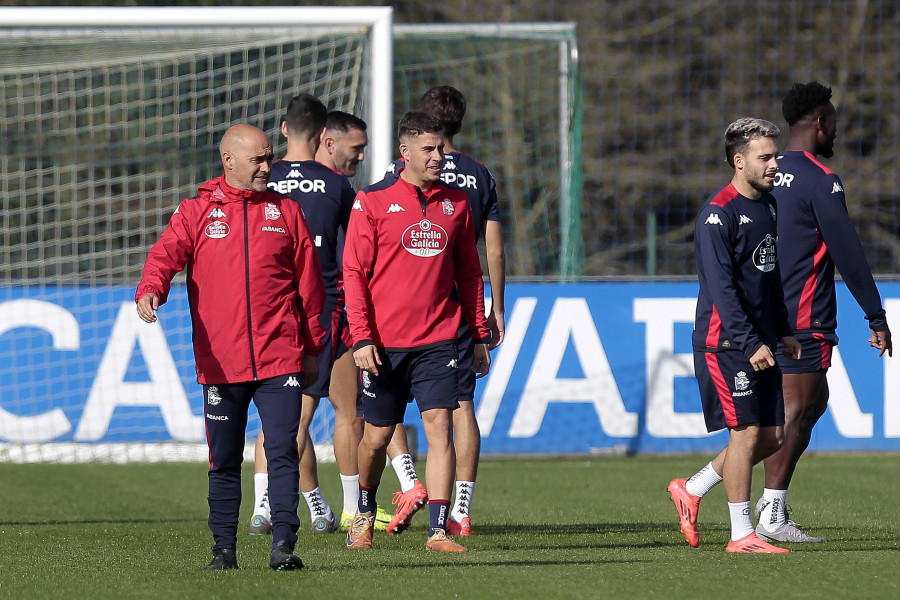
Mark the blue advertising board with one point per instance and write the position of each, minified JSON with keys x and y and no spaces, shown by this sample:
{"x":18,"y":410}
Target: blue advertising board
{"x":584,"y":368}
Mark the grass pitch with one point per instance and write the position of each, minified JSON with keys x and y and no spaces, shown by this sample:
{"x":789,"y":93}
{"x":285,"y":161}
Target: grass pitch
{"x":578,"y":528}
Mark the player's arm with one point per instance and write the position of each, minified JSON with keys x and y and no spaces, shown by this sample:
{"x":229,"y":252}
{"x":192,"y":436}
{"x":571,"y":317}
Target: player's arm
{"x":830,"y":210}
{"x":358,"y":261}
{"x":496,"y":264}
{"x":468,"y":276}
{"x":715,"y":259}
{"x":168,"y":256}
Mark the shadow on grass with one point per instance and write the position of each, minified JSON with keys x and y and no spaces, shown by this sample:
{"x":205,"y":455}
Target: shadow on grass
{"x":54,"y":522}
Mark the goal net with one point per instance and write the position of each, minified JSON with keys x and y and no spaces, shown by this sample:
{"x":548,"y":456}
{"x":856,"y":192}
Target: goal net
{"x":108,"y":119}
{"x":107,"y":125}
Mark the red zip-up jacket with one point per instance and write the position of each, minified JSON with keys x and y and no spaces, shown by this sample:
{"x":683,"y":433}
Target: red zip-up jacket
{"x":404,"y":250}
{"x":253,"y":281}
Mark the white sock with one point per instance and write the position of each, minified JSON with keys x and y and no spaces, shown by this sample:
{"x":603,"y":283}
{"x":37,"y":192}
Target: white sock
{"x":703,"y":480}
{"x":773,"y":514}
{"x":463,"y":500}
{"x":350,"y":484}
{"x":261,"y":495}
{"x":406,"y":471}
{"x":317,"y":505}
{"x":741,"y":525}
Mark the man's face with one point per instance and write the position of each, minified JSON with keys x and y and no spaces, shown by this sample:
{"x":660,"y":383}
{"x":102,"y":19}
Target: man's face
{"x":424,"y":158}
{"x":758,"y":165}
{"x":348,"y":149}
{"x":250,"y":162}
{"x":827,"y":131}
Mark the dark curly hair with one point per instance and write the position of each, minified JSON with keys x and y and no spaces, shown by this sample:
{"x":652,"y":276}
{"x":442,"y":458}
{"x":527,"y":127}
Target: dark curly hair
{"x":802,"y":99}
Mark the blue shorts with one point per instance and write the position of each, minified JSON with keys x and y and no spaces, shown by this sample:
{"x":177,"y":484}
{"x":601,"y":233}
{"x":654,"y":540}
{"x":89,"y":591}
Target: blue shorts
{"x":466,"y":347}
{"x":816,"y":350}
{"x":734,"y":394}
{"x":430,"y":374}
{"x":336,"y":344}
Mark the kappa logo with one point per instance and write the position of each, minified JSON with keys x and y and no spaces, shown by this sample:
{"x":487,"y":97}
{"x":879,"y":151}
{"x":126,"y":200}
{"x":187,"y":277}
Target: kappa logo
{"x":395,"y":208}
{"x":294,"y":174}
{"x":452,"y":364}
{"x":744,"y":220}
{"x":392,"y":169}
{"x":272,"y":212}
{"x":447,"y":206}
{"x":357,"y":205}
{"x":741,"y":381}
{"x":836,"y":188}
{"x":449,"y":164}
{"x":217,"y":230}
{"x":425,"y":239}
{"x":217,"y":213}
{"x":212,"y":396}
{"x":292,"y":382}
{"x":713,"y":219}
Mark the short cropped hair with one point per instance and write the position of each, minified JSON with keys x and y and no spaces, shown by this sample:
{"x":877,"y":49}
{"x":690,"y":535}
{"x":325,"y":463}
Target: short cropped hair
{"x":743,"y":131}
{"x":339,"y":120}
{"x":802,"y":99}
{"x":305,"y":114}
{"x":447,"y":104}
{"x":415,"y":123}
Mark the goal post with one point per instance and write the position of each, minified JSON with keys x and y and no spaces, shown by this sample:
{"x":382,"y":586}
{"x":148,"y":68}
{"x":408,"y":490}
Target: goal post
{"x":108,"y":118}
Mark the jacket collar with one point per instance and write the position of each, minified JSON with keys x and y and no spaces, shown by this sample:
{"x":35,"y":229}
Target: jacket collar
{"x":216,"y":190}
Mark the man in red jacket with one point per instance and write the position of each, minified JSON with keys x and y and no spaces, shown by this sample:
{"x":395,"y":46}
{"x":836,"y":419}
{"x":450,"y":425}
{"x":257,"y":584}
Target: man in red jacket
{"x":409,"y":240}
{"x":255,"y":291}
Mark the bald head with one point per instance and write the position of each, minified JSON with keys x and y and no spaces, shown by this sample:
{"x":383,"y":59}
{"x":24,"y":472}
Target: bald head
{"x":246,"y":157}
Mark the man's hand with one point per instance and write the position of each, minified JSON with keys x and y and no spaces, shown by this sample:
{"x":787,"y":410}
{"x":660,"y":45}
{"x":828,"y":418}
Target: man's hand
{"x":791,"y":347}
{"x":147,"y":307}
{"x":482,"y":363}
{"x":498,"y":328}
{"x":367,"y":359}
{"x":882,"y":341}
{"x":310,"y":370}
{"x":762,"y":359}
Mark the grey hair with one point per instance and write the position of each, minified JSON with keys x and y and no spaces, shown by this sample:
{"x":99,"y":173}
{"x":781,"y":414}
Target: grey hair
{"x":743,"y":131}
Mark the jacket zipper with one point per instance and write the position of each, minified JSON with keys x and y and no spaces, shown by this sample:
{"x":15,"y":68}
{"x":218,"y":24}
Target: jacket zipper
{"x":247,"y":275}
{"x":422,"y":199}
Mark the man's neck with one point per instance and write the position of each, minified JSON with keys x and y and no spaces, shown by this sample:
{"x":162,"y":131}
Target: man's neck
{"x":298,"y":153}
{"x":425,"y":186}
{"x":745,"y":189}
{"x":802,"y":141}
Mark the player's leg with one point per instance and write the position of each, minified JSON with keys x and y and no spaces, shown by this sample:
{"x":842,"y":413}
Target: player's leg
{"x":321,"y":518}
{"x":466,"y":440}
{"x":225,"y":411}
{"x":435,"y":385}
{"x":279,"y":405}
{"x":687,"y":492}
{"x":805,"y":401}
{"x":412,"y":495}
{"x":385,"y":405}
{"x":260,"y":523}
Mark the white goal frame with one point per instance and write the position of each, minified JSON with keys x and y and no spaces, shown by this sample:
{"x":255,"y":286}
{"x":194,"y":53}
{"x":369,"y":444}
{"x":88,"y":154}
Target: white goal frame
{"x":379,"y":70}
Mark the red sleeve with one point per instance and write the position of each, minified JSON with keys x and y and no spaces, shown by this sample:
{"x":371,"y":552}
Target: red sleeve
{"x":359,"y":256}
{"x":168,"y":256}
{"x":468,"y":276}
{"x":310,"y":286}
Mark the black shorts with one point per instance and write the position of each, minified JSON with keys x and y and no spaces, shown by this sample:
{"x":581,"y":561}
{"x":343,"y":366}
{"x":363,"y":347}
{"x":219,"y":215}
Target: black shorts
{"x":734,"y":394}
{"x":336,"y":344}
{"x":816,"y":350}
{"x":431,"y":375}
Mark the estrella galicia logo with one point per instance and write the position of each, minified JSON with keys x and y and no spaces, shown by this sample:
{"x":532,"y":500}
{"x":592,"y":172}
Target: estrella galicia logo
{"x":217,"y":230}
{"x":212,"y":396}
{"x":425,"y":239}
{"x":765,"y":256}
